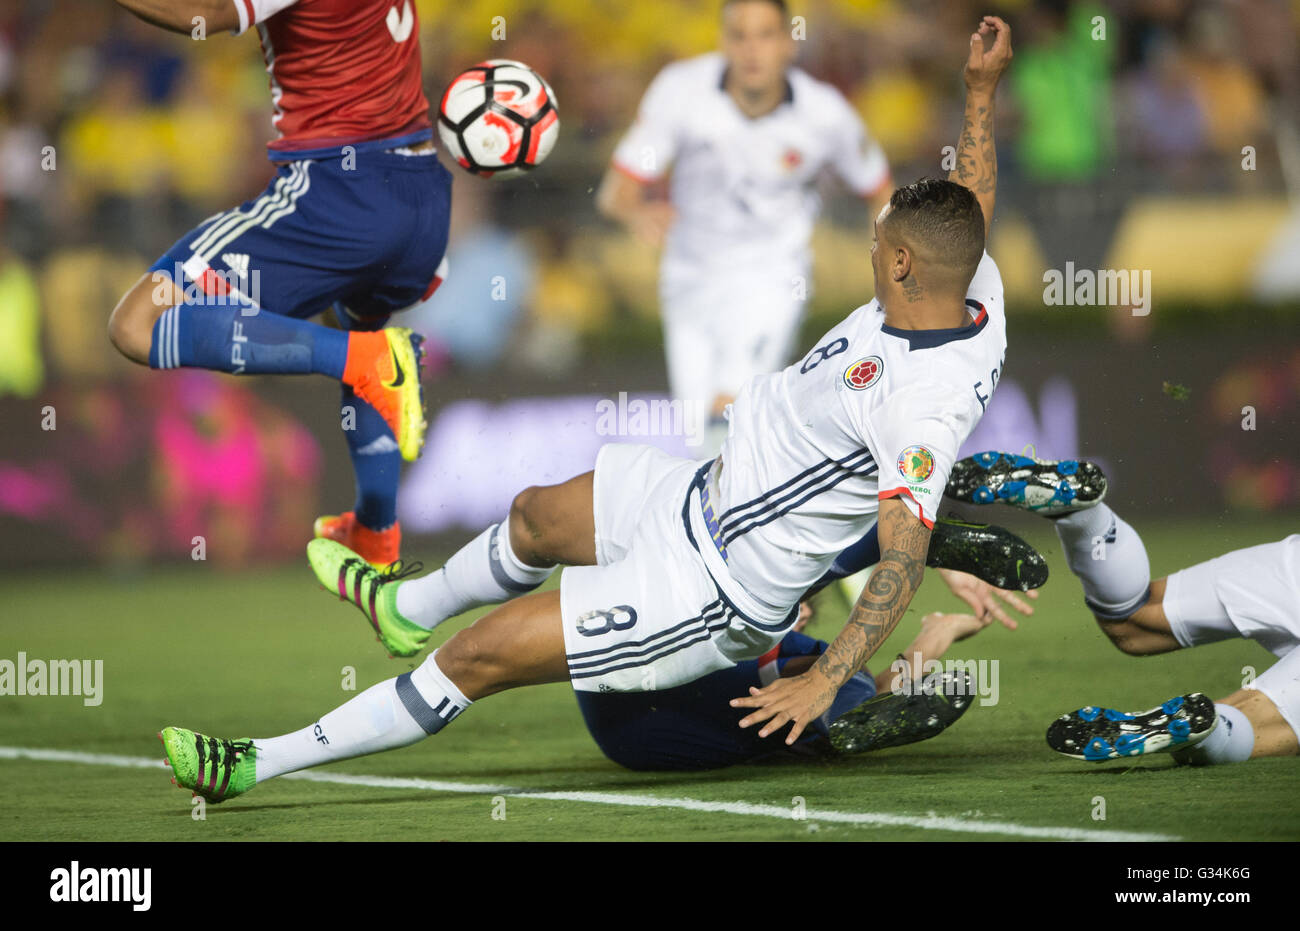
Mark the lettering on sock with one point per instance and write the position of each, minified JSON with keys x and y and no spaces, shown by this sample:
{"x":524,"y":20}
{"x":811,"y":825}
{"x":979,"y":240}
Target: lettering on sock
{"x":237,"y":360}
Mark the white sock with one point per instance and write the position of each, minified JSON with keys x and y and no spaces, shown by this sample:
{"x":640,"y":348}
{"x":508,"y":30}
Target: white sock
{"x":392,"y":714}
{"x":1108,"y":557}
{"x":484,"y":571}
{"x":1231,"y":741}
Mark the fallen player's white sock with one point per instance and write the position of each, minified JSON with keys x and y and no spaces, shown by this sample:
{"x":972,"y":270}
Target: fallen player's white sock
{"x":482,"y":572}
{"x":1108,"y":557}
{"x":392,"y":714}
{"x":1231,"y":741}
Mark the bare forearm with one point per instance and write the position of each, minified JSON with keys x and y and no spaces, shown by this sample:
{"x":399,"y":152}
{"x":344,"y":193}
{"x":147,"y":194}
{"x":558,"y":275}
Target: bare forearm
{"x":977,"y":156}
{"x":181,"y":15}
{"x":929,"y":644}
{"x":904,"y":541}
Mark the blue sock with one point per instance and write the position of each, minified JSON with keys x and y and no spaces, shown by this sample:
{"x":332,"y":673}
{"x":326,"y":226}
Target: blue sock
{"x":376,"y":460}
{"x":219,"y":335}
{"x":858,"y":689}
{"x":854,"y":558}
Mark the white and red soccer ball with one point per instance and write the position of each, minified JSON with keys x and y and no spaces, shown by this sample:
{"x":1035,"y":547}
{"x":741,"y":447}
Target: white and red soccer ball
{"x":498,"y":118}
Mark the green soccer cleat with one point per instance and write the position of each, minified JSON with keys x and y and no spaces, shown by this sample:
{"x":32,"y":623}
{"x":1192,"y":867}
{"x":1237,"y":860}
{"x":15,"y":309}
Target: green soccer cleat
{"x":923,"y":710}
{"x":993,"y":554}
{"x":343,"y":572}
{"x":214,"y":768}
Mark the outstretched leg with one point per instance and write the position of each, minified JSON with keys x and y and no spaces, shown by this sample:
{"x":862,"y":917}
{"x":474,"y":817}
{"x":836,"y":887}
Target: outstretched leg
{"x":1249,"y":592}
{"x":1245,"y":593}
{"x":520,"y":643}
{"x":1249,"y":723}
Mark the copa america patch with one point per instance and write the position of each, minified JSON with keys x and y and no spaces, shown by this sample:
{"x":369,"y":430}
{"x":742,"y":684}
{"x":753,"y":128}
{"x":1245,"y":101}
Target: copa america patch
{"x":864,"y":373}
{"x":916,"y":463}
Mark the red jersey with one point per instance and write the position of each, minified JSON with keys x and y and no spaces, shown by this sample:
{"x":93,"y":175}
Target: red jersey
{"x":342,"y":72}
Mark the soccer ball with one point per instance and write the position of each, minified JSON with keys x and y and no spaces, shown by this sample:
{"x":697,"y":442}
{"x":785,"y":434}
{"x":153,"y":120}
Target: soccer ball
{"x":499,"y":118}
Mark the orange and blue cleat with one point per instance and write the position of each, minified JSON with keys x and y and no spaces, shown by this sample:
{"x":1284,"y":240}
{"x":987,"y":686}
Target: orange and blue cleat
{"x":380,"y":548}
{"x":383,"y":368}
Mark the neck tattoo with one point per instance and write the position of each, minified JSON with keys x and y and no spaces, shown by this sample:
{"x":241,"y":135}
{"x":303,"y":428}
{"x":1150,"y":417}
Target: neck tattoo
{"x":912,"y":289}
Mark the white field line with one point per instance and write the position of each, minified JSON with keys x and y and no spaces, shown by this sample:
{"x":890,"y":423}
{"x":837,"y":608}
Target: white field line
{"x":930,"y":822}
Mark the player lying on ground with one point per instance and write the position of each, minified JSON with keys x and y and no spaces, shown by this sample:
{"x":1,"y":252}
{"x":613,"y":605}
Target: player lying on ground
{"x":692,"y":727}
{"x":744,"y":156}
{"x":1252,"y":593}
{"x":680,"y":569}
{"x":355,"y":219}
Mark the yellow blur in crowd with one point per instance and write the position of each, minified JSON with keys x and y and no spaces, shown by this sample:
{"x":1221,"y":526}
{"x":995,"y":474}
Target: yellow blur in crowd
{"x":193,"y":145}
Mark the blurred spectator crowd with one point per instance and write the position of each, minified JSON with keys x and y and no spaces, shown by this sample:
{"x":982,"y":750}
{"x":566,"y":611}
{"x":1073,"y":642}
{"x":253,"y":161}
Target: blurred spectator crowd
{"x":116,"y":137}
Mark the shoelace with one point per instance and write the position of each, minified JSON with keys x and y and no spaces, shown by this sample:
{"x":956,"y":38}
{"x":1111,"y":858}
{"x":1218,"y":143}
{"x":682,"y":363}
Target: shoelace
{"x":396,"y":571}
{"x":225,"y":755}
{"x":399,"y":569}
{"x":365,"y":572}
{"x":233,"y":750}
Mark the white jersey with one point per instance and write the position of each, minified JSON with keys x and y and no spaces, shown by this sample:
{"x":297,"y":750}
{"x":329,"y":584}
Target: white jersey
{"x":872,"y":412}
{"x":743,"y":188}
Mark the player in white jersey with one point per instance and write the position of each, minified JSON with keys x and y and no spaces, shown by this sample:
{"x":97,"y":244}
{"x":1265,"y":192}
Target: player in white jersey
{"x":681,"y":568}
{"x":745,"y":135}
{"x":1252,"y":593}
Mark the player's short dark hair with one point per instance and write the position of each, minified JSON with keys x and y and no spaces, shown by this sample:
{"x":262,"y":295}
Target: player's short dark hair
{"x":942,"y":218}
{"x":779,"y":4}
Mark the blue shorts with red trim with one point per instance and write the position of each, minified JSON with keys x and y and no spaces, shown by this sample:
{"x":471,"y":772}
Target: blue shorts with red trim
{"x":692,"y":726}
{"x":367,"y":232}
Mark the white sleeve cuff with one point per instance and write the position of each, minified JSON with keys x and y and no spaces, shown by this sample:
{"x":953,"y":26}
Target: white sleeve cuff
{"x":252,"y":12}
{"x":245,"y":16}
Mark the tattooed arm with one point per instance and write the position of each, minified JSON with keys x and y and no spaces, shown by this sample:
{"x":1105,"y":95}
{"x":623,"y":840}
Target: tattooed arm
{"x":977,"y":157}
{"x":904,"y":542}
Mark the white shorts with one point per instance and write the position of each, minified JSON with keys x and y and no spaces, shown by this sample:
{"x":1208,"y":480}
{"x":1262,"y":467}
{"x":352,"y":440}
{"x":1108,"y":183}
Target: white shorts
{"x":658,"y":609}
{"x":1252,"y":593}
{"x":719,"y":335}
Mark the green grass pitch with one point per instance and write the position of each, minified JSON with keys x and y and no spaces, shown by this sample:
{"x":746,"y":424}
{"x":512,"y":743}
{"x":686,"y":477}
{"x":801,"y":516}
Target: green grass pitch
{"x":261,"y":653}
